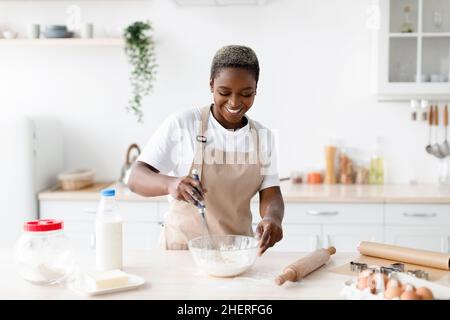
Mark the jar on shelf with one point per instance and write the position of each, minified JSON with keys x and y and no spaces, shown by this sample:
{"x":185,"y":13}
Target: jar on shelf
{"x":42,"y":254}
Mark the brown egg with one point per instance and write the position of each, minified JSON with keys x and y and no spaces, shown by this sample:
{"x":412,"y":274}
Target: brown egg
{"x":424,"y":293}
{"x":408,"y":286}
{"x":365,"y":273}
{"x":362,"y":283}
{"x":409,"y":293}
{"x":386,"y":279}
{"x":393,"y":292}
{"x":363,"y":278}
{"x":393,"y":283}
{"x":372,"y":283}
{"x":377,"y":282}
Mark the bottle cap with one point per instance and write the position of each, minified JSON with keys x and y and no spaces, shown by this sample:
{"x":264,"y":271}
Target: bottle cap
{"x":43,"y":225}
{"x":108,"y":192}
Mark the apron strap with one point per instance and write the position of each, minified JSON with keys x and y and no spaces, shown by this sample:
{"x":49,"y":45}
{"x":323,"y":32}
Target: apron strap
{"x":255,"y":139}
{"x":202,"y":140}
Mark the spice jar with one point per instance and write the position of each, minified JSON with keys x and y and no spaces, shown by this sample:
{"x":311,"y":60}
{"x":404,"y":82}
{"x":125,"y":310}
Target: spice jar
{"x":42,"y":254}
{"x":296,"y":177}
{"x":314,"y":178}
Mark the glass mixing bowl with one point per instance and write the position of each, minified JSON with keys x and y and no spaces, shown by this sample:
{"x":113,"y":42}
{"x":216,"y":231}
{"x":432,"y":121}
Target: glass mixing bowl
{"x":224,"y":255}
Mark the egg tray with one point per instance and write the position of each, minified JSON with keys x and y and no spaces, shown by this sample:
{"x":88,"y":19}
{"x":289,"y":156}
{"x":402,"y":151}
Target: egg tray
{"x":351,"y":292}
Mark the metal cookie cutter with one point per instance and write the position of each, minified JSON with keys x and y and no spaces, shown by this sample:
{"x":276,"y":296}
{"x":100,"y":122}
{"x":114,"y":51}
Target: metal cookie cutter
{"x":419,"y":274}
{"x":357,"y":266}
{"x":399,"y":267}
{"x":388,"y":270}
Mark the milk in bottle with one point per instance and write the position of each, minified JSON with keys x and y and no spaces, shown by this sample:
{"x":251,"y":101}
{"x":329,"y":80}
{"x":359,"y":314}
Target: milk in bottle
{"x":108,"y":233}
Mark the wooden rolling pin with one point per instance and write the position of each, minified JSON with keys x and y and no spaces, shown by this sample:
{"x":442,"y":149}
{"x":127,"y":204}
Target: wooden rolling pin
{"x":304,"y":266}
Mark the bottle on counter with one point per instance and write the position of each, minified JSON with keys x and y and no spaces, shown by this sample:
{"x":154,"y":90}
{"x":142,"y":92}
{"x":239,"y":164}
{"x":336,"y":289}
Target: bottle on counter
{"x":330,"y":162}
{"x":376,"y":170}
{"x":108,"y":233}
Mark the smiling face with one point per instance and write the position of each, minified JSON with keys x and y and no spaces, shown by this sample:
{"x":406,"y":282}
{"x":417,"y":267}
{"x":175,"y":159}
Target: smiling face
{"x":234,"y":91}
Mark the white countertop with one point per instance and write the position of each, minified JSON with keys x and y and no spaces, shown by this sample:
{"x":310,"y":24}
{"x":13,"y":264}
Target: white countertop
{"x":300,"y":193}
{"x":173,"y":275}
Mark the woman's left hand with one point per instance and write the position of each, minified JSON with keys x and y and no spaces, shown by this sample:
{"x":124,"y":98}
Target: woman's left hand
{"x":269,"y":232}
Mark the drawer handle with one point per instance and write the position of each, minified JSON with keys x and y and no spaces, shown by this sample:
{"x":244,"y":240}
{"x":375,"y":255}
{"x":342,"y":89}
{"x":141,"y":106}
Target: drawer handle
{"x":90,"y":211}
{"x":420,"y":215}
{"x":322,"y":213}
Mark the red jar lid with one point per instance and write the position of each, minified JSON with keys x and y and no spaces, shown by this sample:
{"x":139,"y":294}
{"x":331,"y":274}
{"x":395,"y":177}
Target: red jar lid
{"x":43,"y":225}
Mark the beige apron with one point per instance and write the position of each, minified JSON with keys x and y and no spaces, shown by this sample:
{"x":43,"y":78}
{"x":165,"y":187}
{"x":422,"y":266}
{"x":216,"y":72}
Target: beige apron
{"x":230,"y":184}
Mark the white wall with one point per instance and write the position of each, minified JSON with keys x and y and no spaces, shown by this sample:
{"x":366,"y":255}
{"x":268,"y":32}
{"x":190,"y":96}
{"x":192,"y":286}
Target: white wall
{"x":314,"y":85}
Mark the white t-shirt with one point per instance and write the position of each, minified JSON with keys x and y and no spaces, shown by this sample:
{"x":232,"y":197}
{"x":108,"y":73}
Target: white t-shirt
{"x":171,"y":149}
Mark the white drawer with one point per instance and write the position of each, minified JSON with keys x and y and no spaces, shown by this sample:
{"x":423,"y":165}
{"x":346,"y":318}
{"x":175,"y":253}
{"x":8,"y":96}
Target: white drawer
{"x":139,"y":211}
{"x":68,"y":210}
{"x":299,"y":238}
{"x":85,"y":210}
{"x":418,"y":214}
{"x":141,"y":236}
{"x":346,"y":238}
{"x":333,"y":213}
{"x":435,"y":238}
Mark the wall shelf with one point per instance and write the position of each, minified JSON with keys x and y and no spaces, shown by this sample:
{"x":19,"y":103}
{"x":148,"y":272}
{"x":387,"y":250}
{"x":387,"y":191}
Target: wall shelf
{"x":95,"y":42}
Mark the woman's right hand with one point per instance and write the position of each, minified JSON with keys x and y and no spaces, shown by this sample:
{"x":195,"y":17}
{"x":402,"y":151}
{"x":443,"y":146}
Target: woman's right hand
{"x":187,"y":189}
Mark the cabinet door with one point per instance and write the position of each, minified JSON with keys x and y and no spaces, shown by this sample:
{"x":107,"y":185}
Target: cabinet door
{"x":426,"y":238}
{"x":347,"y":238}
{"x":141,"y":236}
{"x":79,"y":220}
{"x":299,"y":238}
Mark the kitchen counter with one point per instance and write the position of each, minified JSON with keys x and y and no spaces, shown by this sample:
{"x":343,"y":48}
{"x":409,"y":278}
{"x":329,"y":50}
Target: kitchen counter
{"x":302,"y":193}
{"x":173,"y":275}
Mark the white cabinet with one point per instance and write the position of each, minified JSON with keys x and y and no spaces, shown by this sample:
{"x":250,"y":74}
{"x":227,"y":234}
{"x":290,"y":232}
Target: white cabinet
{"x":422,"y":226}
{"x":141,"y":222}
{"x":426,"y":238}
{"x":343,"y":225}
{"x":309,"y":226}
{"x":299,"y":238}
{"x":306,"y":226}
{"x":413,"y":49}
{"x":347,"y":238}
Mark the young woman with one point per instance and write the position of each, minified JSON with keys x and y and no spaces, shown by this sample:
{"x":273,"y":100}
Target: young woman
{"x":234,"y":156}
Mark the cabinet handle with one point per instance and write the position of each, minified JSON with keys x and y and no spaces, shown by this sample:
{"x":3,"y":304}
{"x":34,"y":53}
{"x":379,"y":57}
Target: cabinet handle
{"x":326,"y":241}
{"x":322,"y":213}
{"x":448,"y":244}
{"x":92,"y":240}
{"x":318,"y":244}
{"x":89,"y":210}
{"x":419,"y":215}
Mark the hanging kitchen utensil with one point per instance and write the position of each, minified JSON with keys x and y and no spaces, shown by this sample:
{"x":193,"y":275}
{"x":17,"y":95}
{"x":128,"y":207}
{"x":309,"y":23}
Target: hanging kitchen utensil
{"x":414,"y":108}
{"x":126,"y":168}
{"x":436,"y":148}
{"x":424,"y":106}
{"x":445,"y":146}
{"x":429,"y":147}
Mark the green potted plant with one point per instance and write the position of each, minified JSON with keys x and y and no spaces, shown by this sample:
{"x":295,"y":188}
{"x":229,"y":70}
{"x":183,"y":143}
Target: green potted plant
{"x":140,"y":50}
